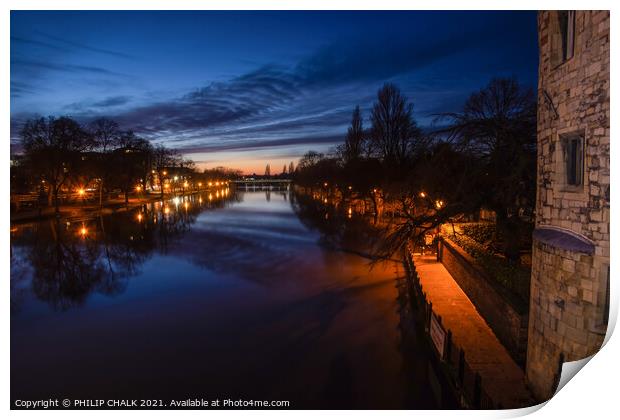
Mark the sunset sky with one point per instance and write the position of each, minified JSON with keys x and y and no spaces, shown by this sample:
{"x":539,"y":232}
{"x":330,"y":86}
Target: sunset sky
{"x":243,"y":89}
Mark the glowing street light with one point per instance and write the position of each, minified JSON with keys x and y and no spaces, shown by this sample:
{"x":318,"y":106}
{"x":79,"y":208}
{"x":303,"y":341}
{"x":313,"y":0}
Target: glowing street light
{"x":139,"y":217}
{"x":199,"y":184}
{"x":138,"y":188}
{"x":185,"y":184}
{"x":439,"y":204}
{"x":81,"y":192}
{"x":422,"y":194}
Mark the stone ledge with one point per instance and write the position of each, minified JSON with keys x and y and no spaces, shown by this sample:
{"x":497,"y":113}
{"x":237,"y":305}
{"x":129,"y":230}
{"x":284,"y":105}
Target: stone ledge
{"x":563,"y":240}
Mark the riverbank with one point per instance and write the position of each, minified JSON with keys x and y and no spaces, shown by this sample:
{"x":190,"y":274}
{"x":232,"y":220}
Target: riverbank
{"x":74,"y":211}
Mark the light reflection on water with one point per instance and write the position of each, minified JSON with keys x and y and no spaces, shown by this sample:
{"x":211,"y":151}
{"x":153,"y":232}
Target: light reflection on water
{"x":234,"y":294}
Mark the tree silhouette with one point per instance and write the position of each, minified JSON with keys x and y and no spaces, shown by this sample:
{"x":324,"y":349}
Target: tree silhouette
{"x":163,"y":159}
{"x":498,"y":126}
{"x":354,"y":140}
{"x":129,"y":161}
{"x":52,"y":147}
{"x":393,"y":132}
{"x":105,"y":134}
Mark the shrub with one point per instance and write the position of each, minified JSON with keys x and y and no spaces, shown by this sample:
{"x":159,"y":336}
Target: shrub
{"x":514,"y":277}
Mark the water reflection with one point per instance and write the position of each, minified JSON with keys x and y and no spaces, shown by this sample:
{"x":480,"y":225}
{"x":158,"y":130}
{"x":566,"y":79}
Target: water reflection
{"x":340,"y":226}
{"x":69,"y":260}
{"x":259,"y":299}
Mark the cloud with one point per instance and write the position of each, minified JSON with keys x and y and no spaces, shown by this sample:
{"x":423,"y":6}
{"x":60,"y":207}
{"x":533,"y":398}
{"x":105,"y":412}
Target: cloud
{"x":30,"y":41}
{"x":112,"y":101}
{"x":18,"y":88}
{"x":307,"y":102}
{"x":60,"y":44}
{"x":271,"y":89}
{"x":248,"y":145}
{"x":62,"y":67}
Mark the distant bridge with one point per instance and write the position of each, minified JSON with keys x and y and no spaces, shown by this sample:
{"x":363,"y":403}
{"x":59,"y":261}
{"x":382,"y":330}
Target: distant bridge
{"x":263,"y":184}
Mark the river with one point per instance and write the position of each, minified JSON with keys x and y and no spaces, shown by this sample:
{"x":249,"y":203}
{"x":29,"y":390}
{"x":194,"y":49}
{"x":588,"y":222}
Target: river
{"x":253,"y":295}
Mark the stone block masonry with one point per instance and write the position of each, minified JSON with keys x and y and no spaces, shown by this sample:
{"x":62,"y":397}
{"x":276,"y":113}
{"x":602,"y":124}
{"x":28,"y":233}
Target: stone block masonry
{"x":569,"y":297}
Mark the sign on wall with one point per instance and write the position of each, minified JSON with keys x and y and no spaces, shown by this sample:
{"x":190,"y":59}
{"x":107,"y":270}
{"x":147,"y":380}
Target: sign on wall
{"x":438,"y":335}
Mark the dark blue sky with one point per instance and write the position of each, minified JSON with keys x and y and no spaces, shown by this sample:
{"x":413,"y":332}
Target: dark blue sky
{"x":244,"y":89}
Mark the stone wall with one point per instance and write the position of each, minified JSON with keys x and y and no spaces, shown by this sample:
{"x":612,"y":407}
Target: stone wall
{"x":570,"y":261}
{"x":564,"y":318}
{"x":578,"y":90}
{"x":508,"y":322}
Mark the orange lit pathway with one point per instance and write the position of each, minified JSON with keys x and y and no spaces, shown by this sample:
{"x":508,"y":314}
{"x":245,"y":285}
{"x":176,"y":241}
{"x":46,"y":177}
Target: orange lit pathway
{"x":502,"y":378}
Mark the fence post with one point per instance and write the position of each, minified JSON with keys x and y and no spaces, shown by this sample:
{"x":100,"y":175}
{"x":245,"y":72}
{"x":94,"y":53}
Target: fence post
{"x":461,"y":367}
{"x":449,"y":347}
{"x":477,"y":390}
{"x":429,"y":315}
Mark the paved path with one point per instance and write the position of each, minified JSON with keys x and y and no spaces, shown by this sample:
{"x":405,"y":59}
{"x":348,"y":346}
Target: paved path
{"x":502,"y":378}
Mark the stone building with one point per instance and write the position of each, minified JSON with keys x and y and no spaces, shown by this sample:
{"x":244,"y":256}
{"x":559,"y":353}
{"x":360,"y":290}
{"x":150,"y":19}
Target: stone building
{"x":569,"y":303}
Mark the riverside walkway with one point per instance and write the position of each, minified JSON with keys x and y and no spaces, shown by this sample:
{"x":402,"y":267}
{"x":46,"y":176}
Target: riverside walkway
{"x":503,"y":379}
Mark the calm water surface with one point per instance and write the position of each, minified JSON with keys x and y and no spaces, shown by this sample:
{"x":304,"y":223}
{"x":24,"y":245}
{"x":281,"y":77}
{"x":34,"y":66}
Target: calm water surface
{"x":253,"y":295}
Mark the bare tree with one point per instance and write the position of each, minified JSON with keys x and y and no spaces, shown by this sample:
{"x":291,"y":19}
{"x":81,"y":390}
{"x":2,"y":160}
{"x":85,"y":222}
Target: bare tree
{"x":394,"y":131}
{"x":53,"y":146}
{"x":354,"y":141}
{"x":105,"y":133}
{"x":163,"y":159}
{"x":498,"y":126}
{"x":267,"y":170}
{"x":130,"y":160}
